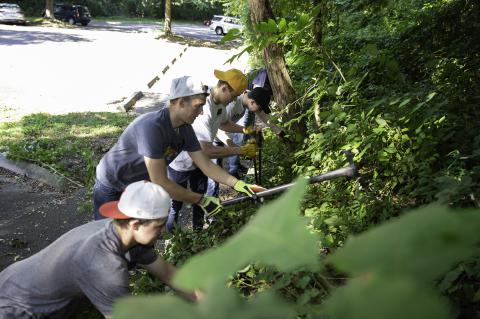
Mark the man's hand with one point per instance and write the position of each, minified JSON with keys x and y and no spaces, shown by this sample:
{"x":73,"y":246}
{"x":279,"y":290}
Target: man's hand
{"x":248,"y":150}
{"x":249,"y":130}
{"x":247,"y":189}
{"x":210,"y":205}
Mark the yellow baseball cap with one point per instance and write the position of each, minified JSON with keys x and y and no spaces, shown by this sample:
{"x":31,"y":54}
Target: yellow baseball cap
{"x":235,"y":78}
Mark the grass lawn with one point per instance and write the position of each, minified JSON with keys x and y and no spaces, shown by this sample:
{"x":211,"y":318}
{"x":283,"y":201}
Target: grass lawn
{"x":71,"y":144}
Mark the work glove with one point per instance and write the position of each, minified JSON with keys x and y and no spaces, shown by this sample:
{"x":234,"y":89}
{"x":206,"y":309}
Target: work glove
{"x":249,"y":130}
{"x":210,"y":205}
{"x":249,"y":149}
{"x":248,"y":189}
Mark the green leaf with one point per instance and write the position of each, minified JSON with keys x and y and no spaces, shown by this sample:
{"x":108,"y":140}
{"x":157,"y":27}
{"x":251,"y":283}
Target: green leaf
{"x":276,"y":236}
{"x":282,"y":25}
{"x":272,"y":26}
{"x":149,"y":307}
{"x":373,"y":297}
{"x":381,"y":122}
{"x":431,"y":96}
{"x":404,"y":102}
{"x":231,"y":35}
{"x":371,"y":49}
{"x":303,"y":282}
{"x":220,"y":302}
{"x":303,"y":20}
{"x":424,"y":244}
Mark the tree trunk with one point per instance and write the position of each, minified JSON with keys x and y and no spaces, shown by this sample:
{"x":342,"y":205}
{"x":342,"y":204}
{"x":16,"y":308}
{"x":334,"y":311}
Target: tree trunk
{"x":49,"y":9}
{"x":283,"y":91}
{"x":168,"y":18}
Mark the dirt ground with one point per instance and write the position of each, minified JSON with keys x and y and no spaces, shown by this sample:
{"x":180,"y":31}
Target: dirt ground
{"x":33,"y":214}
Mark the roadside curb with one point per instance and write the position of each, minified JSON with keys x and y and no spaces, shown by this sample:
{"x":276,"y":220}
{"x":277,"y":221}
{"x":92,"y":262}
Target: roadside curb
{"x":34,"y":171}
{"x":128,"y":105}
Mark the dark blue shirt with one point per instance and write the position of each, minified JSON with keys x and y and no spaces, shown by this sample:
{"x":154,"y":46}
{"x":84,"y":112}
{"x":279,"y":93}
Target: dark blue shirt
{"x":151,"y":135}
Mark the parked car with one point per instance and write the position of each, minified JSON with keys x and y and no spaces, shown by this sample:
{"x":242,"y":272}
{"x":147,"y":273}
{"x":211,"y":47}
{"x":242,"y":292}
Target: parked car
{"x":11,"y":13}
{"x":222,"y":24}
{"x":72,"y":14}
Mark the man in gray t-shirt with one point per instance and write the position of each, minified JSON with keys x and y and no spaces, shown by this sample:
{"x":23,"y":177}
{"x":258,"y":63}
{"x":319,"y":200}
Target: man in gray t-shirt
{"x":151,"y":141}
{"x":91,"y":262}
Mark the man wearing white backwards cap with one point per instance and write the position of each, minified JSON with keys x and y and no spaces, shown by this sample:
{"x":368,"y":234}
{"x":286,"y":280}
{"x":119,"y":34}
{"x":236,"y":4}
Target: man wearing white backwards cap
{"x":91,"y":262}
{"x":153,"y":140}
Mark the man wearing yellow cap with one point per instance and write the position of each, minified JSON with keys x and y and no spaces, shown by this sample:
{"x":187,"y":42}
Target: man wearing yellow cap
{"x":230,"y":85}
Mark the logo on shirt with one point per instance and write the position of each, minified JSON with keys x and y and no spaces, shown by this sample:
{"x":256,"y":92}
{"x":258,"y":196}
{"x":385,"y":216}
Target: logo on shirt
{"x":170,"y":151}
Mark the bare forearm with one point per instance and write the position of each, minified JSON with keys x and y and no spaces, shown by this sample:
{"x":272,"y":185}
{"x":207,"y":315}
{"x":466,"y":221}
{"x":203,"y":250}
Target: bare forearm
{"x":178,"y":192}
{"x":265,"y":118}
{"x":157,"y":172}
{"x":220,"y":151}
{"x":165,"y":271}
{"x":218,"y":174}
{"x":211,"y":170}
{"x":231,"y":127}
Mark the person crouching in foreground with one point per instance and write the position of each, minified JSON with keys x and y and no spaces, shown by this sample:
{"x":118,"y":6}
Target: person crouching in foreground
{"x":91,"y":262}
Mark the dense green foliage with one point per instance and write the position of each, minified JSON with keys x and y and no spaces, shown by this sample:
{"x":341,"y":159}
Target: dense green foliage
{"x":181,"y":9}
{"x":393,"y":267}
{"x":398,"y":83}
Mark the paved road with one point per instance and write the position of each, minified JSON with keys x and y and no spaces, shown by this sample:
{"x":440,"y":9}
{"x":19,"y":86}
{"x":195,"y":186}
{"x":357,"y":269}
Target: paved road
{"x":61,"y":70}
{"x":196,"y":31}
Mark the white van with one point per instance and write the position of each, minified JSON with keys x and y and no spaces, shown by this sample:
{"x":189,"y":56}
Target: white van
{"x":222,"y":24}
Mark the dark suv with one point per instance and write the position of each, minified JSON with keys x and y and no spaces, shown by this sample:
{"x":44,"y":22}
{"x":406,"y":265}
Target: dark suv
{"x":72,"y":14}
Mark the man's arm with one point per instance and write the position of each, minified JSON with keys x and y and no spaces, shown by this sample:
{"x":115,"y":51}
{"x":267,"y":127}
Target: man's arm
{"x":265,"y":118}
{"x":211,"y":170}
{"x":213,"y":151}
{"x":231,"y":127}
{"x":165,"y":272}
{"x":223,"y":136}
{"x":157,"y":170}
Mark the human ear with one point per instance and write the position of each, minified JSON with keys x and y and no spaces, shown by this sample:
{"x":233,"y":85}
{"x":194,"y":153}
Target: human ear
{"x":135,"y":224}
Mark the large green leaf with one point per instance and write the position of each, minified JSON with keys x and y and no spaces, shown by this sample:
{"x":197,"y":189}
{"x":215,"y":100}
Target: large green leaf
{"x":276,"y":236}
{"x":220,"y":302}
{"x":424,"y":243}
{"x":153,"y":307}
{"x":372,"y":297}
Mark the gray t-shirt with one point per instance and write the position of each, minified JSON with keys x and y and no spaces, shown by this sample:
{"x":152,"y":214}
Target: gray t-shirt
{"x":87,"y":262}
{"x":151,"y":135}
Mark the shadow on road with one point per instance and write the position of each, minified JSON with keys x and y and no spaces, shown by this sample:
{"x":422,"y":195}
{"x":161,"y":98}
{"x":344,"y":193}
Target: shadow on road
{"x":196,"y":32}
{"x":16,"y":37}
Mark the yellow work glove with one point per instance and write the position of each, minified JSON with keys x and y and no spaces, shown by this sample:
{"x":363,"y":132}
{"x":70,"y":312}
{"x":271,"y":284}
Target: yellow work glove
{"x":210,"y":205}
{"x":248,"y":150}
{"x":242,"y":187}
{"x":249,"y":130}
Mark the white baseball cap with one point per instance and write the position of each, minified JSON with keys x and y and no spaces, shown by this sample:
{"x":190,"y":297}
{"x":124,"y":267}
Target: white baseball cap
{"x":187,"y":86}
{"x":143,"y":200}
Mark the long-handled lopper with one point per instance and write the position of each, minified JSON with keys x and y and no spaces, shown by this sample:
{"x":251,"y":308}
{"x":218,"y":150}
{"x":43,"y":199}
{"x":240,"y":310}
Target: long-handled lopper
{"x":348,"y":171}
{"x":258,"y":168}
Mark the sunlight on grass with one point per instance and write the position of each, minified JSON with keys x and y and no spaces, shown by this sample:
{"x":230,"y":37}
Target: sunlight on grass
{"x":71,"y":143}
